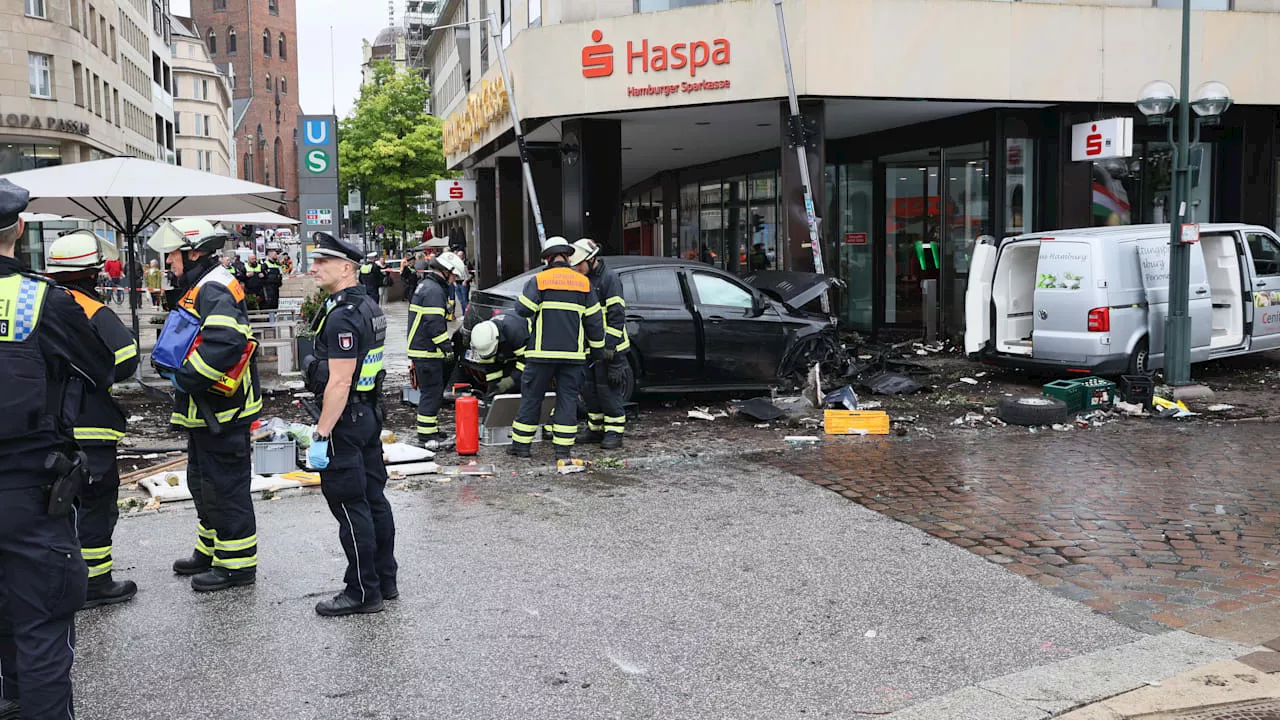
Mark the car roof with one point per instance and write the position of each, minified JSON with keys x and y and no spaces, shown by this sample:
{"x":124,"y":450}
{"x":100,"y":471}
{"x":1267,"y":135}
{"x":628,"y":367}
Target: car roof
{"x":513,"y":285}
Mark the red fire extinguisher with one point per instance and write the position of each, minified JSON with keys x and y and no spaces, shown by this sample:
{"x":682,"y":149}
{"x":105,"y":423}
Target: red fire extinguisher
{"x":466,"y":412}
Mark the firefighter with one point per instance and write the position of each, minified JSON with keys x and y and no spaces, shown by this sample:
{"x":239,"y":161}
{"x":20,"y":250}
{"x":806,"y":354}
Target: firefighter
{"x":50,"y":355}
{"x":429,"y":345}
{"x":74,"y":262}
{"x":498,"y":348}
{"x":565,"y":322}
{"x":273,"y":279}
{"x":346,"y":373}
{"x":216,"y":400}
{"x":607,"y":377}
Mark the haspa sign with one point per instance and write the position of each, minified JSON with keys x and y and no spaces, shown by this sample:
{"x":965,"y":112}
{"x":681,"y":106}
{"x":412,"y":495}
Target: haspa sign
{"x":645,"y":58}
{"x":1102,"y":139}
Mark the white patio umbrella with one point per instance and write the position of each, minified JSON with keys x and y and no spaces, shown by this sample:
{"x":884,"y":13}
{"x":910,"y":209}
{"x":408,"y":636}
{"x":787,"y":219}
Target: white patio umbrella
{"x":128,"y":194}
{"x":259,"y":218}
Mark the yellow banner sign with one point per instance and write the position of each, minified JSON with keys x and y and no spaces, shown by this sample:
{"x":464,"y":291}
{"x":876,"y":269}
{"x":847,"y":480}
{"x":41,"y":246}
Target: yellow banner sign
{"x":485,"y":106}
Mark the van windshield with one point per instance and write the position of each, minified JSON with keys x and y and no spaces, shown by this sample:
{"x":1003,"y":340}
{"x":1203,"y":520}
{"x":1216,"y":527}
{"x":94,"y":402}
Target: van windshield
{"x":1063,"y":266}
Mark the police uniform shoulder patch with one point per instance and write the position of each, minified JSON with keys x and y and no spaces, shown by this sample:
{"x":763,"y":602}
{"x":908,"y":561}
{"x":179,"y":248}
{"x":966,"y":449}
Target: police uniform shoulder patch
{"x":346,"y":340}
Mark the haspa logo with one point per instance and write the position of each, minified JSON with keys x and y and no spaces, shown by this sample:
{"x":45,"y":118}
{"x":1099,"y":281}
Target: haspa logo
{"x":455,"y":192}
{"x":1093,"y":142}
{"x":597,"y":59}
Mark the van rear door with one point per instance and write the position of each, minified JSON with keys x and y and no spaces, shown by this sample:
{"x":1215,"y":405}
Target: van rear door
{"x":977,"y":298}
{"x":1066,"y":295}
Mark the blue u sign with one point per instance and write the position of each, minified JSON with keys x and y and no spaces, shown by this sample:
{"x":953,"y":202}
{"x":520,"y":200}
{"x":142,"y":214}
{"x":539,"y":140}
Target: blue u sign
{"x":316,"y":132}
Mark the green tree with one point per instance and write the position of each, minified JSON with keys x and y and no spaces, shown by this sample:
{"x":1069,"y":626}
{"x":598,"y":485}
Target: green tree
{"x":389,"y":148}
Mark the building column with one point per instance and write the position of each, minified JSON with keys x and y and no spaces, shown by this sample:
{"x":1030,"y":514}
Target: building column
{"x":510,"y":218}
{"x":592,"y":182}
{"x":486,"y":233}
{"x":798,"y":256}
{"x":671,"y":215}
{"x":546,"y":169}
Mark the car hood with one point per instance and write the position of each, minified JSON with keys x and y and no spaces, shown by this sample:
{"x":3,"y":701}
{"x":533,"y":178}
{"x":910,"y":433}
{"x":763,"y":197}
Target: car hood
{"x":796,"y":289}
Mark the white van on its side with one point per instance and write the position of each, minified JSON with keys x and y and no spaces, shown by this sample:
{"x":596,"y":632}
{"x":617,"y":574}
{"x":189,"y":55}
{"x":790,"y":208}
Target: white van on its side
{"x":1094,"y":300}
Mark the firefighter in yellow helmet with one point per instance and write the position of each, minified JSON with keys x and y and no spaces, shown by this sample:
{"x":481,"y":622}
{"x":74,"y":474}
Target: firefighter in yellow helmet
{"x":74,"y":262}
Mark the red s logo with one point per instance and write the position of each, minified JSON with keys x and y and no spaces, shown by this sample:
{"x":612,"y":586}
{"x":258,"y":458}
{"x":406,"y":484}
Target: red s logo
{"x":455,"y":192}
{"x":597,"y":60}
{"x":1093,"y":143}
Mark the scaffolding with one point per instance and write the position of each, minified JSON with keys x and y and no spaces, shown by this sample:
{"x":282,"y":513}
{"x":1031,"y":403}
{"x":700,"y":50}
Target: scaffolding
{"x":419,"y":17}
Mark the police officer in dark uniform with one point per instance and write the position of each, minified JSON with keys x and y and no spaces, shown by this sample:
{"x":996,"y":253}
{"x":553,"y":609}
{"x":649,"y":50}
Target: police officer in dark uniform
{"x":430,"y":347}
{"x":565,"y":323}
{"x":217,"y":416}
{"x":497,"y":351}
{"x":273,"y":278}
{"x":606,"y":378}
{"x":371,"y":276}
{"x":346,"y":373}
{"x":51,"y":356}
{"x":74,"y":262}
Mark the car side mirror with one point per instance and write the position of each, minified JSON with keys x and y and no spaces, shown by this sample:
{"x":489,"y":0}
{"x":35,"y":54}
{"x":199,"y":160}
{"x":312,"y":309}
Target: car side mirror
{"x":758,"y":305}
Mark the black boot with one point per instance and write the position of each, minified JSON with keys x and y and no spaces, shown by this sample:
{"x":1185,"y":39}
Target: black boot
{"x":343,"y":604}
{"x":611,"y":441}
{"x":591,"y":437}
{"x":390,"y":592}
{"x":563,"y":452}
{"x":221,"y":579}
{"x":520,"y":450}
{"x":194,"y":565}
{"x":105,"y":591}
{"x":10,"y":710}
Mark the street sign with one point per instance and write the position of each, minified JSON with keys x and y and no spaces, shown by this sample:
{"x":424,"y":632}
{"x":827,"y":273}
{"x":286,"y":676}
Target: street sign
{"x":317,"y":161}
{"x":320,"y":216}
{"x":318,"y":176}
{"x":317,"y":131}
{"x":1190,"y":233}
{"x":456,"y":190}
{"x":382,"y":229}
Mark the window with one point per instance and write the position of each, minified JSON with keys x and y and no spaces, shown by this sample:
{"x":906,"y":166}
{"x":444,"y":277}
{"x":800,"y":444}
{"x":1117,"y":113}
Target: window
{"x":93,"y":26}
{"x":282,"y":50}
{"x":268,"y":82}
{"x":266,"y":43}
{"x":652,"y":287}
{"x":220,"y":5}
{"x":535,"y":13}
{"x":77,"y":76}
{"x":1196,"y":4}
{"x":231,"y":41}
{"x":177,"y":124}
{"x":1265,"y":252}
{"x":204,"y":89}
{"x":35,"y":8}
{"x":178,"y":156}
{"x":208,"y":160}
{"x":112,"y":36}
{"x":106,"y":106}
{"x":206,"y":126}
{"x":713,"y":290}
{"x":284,"y":86}
{"x":199,"y":160}
{"x":115,"y":97}
{"x":38,"y":74}
{"x":273,"y":7}
{"x":213,"y":42}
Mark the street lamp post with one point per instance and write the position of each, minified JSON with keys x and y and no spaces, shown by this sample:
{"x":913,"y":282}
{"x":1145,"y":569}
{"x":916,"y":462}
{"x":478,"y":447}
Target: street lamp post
{"x":1156,"y":100}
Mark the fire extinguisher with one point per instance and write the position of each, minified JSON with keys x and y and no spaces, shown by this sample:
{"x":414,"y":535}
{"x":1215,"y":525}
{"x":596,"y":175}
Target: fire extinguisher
{"x":466,"y":411}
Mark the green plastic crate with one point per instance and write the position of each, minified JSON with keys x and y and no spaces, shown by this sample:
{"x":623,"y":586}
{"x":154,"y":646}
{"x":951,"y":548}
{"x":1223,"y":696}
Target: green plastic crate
{"x":1070,"y":392}
{"x":1097,"y":393}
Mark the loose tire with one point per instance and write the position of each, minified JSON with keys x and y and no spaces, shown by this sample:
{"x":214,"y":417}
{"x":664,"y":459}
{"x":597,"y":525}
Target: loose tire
{"x":1032,"y":410}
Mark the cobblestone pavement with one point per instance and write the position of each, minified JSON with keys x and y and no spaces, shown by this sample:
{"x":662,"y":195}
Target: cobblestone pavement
{"x":1156,"y":526}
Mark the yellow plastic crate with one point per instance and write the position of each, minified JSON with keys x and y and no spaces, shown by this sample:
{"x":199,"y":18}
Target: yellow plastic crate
{"x":850,"y":422}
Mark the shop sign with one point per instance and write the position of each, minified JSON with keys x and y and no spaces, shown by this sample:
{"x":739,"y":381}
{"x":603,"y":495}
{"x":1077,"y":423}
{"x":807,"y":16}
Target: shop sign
{"x":484,"y":106}
{"x":1102,"y":139}
{"x":644,"y":58}
{"x":455,"y":190}
{"x":35,"y":122}
{"x":855,"y":238}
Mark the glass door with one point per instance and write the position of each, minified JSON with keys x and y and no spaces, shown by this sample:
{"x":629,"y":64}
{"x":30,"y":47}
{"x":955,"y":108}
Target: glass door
{"x":913,"y":250}
{"x":966,"y":216}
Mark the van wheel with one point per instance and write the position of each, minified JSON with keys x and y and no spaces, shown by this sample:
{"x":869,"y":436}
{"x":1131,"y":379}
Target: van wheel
{"x":1032,"y":410}
{"x":1140,"y":360}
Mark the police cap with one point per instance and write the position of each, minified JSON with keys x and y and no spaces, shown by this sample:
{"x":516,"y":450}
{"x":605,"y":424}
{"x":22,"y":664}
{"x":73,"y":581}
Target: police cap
{"x":13,"y":200}
{"x":330,"y":246}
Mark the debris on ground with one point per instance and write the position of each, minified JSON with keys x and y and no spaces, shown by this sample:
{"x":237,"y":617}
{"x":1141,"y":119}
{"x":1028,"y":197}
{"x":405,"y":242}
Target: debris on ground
{"x":968,"y":381}
{"x":844,"y":397}
{"x":759,"y":409}
{"x":802,"y":440}
{"x":1220,"y":407}
{"x":1129,"y":408}
{"x":704,"y":413}
{"x":891,"y":383}
{"x":573,"y":465}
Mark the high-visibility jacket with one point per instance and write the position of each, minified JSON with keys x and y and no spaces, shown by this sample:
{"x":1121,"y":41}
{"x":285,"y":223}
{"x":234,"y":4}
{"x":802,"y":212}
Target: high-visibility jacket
{"x":513,"y":336}
{"x":428,"y":329}
{"x":608,"y":289}
{"x":217,"y":299}
{"x":101,"y":420}
{"x":566,"y":316}
{"x":273,"y":274}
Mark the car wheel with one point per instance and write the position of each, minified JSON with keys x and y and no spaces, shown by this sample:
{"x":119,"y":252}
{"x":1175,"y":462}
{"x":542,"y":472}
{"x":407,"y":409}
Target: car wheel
{"x":1032,"y":410}
{"x":1140,"y":360}
{"x":629,"y":385}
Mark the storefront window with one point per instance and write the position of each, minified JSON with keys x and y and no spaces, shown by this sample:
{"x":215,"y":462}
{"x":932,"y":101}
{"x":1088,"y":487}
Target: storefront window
{"x":1158,"y":164}
{"x":1114,"y":183}
{"x":689,"y":221}
{"x":855,"y":242}
{"x":763,"y":228}
{"x":711,"y":224}
{"x":14,"y":158}
{"x":1019,"y":185}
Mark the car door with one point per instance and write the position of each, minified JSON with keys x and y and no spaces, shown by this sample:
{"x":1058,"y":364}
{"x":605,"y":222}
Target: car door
{"x":741,"y":343}
{"x":661,"y":325}
{"x":1264,"y":285}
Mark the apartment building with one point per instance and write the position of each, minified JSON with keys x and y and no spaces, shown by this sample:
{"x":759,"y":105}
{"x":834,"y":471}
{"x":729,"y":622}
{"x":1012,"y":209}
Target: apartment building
{"x":203,"y":124}
{"x":661,"y":127}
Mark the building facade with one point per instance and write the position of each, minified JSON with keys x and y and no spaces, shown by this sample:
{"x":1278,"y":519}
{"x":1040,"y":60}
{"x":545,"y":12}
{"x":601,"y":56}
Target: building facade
{"x":205,"y":135}
{"x":662,"y":127}
{"x":258,"y":40}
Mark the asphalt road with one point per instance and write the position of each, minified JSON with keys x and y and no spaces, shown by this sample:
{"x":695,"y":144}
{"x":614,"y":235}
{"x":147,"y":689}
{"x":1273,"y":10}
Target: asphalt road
{"x":713,"y":591}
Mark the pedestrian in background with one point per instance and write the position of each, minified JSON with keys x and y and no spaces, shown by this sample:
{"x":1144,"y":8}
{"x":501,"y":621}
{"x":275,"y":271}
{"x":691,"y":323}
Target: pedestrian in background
{"x":115,"y":276}
{"x":462,"y":288}
{"x":155,"y":282}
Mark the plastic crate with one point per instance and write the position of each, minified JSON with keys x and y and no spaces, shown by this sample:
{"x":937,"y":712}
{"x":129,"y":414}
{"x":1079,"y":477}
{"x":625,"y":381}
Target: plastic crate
{"x":274,"y":458}
{"x":853,"y":422}
{"x":1137,"y":389}
{"x":1098,"y":393}
{"x":1070,"y":392}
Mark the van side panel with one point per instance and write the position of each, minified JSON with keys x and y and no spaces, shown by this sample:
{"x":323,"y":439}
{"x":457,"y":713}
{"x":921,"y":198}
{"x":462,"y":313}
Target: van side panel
{"x":1067,"y":279}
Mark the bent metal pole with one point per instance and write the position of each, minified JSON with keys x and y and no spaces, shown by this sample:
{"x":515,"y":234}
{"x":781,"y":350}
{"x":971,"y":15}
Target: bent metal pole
{"x":515,"y":125}
{"x":800,"y":142}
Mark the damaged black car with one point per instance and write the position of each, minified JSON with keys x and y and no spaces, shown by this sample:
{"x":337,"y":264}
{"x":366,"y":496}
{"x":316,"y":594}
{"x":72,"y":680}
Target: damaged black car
{"x":696,"y":328}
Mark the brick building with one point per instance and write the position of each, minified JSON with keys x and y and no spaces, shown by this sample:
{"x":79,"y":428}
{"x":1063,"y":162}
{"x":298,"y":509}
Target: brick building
{"x":259,"y":40}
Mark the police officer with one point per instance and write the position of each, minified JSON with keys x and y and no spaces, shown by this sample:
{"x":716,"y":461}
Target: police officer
{"x":50,"y":356}
{"x":74,"y":261}
{"x":606,"y":378}
{"x":273,"y":278}
{"x":346,"y":372}
{"x":255,"y":279}
{"x":565,"y":322}
{"x":219,"y":464}
{"x":429,"y":345}
{"x":371,"y":276}
{"x":498,"y":348}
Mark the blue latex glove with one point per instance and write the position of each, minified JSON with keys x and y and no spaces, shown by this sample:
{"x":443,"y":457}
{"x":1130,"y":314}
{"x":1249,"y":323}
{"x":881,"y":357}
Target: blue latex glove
{"x":318,"y":454}
{"x":173,"y":379}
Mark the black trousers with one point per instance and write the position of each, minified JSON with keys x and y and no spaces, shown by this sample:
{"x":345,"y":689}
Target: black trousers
{"x":430,"y":373}
{"x":534,"y":383}
{"x":219,"y":470}
{"x":42,"y":585}
{"x":99,"y":509}
{"x":604,"y":402}
{"x":272,"y":295}
{"x":354,"y":485}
